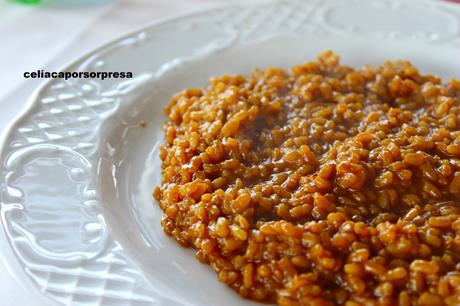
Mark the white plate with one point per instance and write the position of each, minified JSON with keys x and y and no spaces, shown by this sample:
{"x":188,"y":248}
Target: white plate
{"x":78,"y":171}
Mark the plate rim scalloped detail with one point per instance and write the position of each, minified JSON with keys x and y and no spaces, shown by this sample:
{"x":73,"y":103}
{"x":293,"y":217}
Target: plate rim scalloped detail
{"x":34,"y":102}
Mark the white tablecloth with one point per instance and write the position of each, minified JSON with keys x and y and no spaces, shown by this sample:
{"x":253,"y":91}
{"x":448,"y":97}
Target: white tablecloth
{"x":48,"y":36}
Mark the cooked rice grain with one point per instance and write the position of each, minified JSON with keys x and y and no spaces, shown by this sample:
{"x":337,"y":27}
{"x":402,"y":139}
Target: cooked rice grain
{"x":320,"y":185}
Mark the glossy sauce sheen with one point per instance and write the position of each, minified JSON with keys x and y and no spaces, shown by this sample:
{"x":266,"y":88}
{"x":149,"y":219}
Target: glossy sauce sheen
{"x":320,"y":185}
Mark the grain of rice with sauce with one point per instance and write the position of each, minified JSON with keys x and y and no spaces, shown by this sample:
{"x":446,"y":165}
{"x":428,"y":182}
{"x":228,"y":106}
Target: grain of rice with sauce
{"x":321,"y":185}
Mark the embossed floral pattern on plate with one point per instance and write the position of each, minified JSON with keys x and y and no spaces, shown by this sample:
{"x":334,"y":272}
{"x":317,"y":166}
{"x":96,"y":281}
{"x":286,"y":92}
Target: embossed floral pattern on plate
{"x":78,"y":243}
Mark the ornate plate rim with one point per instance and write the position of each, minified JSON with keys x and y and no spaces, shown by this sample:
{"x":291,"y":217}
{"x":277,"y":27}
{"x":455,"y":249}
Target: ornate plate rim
{"x":10,"y":259}
{"x":7,"y":256}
